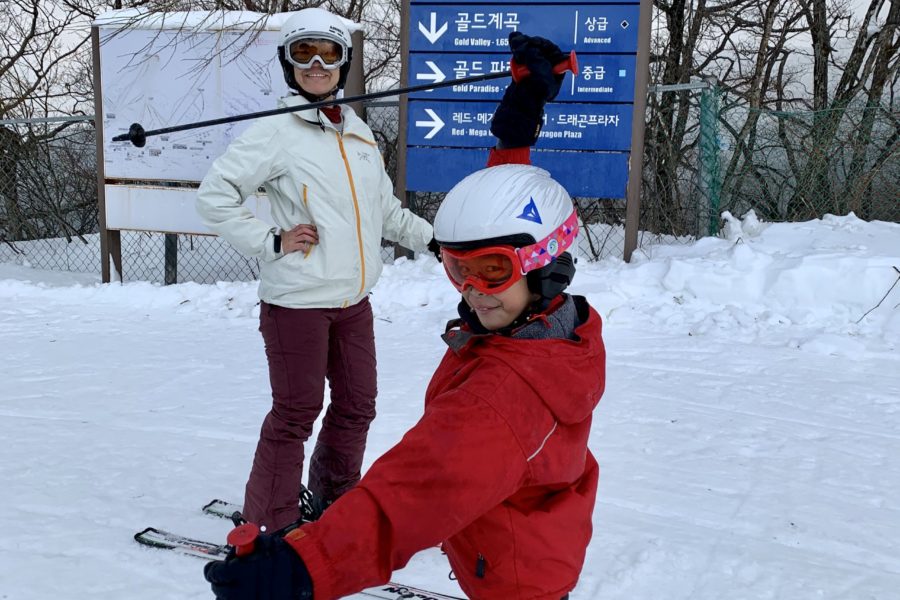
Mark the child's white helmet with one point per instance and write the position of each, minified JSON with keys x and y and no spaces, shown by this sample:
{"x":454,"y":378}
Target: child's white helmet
{"x":519,"y":206}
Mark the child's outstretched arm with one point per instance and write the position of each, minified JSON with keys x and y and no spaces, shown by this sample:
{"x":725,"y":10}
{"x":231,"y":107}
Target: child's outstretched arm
{"x":459,"y":461}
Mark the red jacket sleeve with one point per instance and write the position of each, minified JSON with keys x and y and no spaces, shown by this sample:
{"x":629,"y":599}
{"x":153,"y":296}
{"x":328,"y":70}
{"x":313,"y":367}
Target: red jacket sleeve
{"x":509,"y":156}
{"x":460,"y":460}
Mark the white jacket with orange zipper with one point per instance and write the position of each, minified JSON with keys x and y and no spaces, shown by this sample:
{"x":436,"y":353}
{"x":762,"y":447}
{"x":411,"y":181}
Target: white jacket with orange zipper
{"x":312,"y":173}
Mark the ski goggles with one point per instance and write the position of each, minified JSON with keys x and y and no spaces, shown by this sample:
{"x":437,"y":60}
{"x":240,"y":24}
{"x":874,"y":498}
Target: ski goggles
{"x":304,"y":52}
{"x":493,"y":269}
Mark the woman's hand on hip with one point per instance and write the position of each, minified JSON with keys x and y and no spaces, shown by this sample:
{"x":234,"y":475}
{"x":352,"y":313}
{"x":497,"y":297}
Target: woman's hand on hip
{"x":300,"y":238}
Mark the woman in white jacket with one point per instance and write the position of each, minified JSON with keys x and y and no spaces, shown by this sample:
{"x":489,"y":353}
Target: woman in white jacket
{"x":332,"y":202}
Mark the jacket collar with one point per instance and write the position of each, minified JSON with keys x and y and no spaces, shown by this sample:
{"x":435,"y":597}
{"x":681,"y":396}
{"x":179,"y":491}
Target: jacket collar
{"x":567,"y":372}
{"x":558,"y":321}
{"x":352,"y":124}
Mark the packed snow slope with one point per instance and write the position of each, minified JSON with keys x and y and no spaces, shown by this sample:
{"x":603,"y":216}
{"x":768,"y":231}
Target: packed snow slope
{"x":748,"y":437}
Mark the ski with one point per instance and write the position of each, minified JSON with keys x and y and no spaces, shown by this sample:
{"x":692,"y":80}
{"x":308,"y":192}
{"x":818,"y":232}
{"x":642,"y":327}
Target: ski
{"x":221,"y":508}
{"x":229,"y":510}
{"x":166,"y":540}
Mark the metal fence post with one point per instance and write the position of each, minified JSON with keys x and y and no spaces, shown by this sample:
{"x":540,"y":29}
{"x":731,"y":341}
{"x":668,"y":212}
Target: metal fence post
{"x":170,"y":259}
{"x":710,"y":173}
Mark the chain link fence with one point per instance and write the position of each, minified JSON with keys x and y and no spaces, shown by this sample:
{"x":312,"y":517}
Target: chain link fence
{"x":703,"y":155}
{"x":48,"y":194}
{"x":790,"y":166}
{"x":706,"y":154}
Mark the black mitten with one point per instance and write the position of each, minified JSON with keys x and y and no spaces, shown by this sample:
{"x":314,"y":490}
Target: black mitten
{"x":517,"y":121}
{"x":273,"y":571}
{"x":540,"y":55}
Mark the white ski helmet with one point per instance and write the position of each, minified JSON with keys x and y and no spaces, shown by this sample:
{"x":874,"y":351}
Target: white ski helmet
{"x":514,"y":205}
{"x":319,"y":24}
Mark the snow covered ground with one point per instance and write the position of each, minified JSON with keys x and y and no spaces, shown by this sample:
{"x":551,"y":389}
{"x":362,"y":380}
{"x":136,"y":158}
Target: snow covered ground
{"x":748,"y":437}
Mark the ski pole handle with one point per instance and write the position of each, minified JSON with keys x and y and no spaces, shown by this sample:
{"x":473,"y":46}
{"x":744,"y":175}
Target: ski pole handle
{"x":521,"y":71}
{"x":243,"y":539}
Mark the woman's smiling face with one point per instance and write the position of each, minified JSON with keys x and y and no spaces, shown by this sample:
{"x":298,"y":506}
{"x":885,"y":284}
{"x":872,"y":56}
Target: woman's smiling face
{"x":317,"y":80}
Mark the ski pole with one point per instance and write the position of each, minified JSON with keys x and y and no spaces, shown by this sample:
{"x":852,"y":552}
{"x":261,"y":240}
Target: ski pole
{"x":137,"y":136}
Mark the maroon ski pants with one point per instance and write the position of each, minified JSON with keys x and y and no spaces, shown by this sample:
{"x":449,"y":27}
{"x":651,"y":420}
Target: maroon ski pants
{"x":303,"y":347}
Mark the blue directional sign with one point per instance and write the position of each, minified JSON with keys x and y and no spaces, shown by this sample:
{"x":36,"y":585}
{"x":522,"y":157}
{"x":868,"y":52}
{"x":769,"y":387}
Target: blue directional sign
{"x":601,"y":77}
{"x":486,"y":28}
{"x":566,"y":126}
{"x":586,"y":135}
{"x":591,"y":174}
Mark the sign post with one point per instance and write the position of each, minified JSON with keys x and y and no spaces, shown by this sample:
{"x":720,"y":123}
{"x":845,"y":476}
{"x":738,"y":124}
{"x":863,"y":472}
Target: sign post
{"x":641,"y":83}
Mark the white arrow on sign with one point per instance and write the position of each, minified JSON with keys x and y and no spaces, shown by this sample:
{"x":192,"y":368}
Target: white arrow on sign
{"x":436,"y":123}
{"x":436,"y":74}
{"x":433,"y":34}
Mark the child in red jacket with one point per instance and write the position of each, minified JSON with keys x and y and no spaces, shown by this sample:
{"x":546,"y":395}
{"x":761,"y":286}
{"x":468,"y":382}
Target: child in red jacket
{"x":497,"y":469}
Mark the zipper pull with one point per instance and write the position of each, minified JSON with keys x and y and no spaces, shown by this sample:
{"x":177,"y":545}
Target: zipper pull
{"x":480,"y":566}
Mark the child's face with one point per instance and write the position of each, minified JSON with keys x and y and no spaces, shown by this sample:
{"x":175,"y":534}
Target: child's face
{"x":496,"y":311}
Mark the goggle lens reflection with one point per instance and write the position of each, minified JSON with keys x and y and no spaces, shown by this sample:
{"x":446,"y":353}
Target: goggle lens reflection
{"x":489,"y":270}
{"x":303,"y":52}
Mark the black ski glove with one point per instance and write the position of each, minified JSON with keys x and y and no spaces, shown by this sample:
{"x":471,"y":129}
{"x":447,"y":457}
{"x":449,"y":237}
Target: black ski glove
{"x":517,"y":121}
{"x":272,"y":572}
